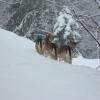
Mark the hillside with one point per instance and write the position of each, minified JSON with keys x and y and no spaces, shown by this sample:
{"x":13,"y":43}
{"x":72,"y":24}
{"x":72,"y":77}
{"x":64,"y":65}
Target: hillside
{"x":25,"y":17}
{"x":25,"y":75}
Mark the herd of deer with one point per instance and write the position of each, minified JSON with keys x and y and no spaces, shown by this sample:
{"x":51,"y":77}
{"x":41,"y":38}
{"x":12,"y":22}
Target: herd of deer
{"x":45,"y":47}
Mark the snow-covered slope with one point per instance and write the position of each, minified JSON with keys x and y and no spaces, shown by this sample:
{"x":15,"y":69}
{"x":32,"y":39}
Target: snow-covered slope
{"x":93,"y":63}
{"x":25,"y":75}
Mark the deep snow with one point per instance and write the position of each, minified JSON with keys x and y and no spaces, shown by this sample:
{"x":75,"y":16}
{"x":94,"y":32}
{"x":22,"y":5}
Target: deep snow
{"x":25,"y":75}
{"x":93,"y":63}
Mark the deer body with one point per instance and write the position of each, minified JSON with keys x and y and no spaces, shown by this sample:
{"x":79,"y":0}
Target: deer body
{"x":45,"y":47}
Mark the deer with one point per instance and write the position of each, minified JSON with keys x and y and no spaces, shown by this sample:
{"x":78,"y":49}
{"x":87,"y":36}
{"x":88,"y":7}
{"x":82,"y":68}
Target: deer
{"x":51,"y":49}
{"x":45,"y":47}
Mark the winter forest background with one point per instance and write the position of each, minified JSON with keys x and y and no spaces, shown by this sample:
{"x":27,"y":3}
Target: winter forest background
{"x":24,"y":17}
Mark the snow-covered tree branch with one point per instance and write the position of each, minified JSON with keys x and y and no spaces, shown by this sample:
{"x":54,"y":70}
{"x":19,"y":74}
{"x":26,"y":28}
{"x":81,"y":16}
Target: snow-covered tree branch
{"x":66,"y":28}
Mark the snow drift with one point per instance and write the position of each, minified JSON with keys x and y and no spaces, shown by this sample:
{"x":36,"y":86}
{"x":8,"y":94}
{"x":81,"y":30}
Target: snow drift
{"x":25,"y":75}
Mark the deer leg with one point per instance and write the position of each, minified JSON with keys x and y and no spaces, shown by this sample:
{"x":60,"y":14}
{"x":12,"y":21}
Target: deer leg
{"x":55,"y":53}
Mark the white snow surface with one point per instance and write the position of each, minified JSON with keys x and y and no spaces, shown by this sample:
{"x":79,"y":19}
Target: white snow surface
{"x":93,"y":63}
{"x":25,"y":75}
{"x":67,"y":27}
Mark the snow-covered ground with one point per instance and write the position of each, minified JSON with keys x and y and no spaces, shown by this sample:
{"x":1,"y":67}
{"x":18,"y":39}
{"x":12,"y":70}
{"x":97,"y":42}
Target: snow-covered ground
{"x":93,"y":63}
{"x":25,"y":75}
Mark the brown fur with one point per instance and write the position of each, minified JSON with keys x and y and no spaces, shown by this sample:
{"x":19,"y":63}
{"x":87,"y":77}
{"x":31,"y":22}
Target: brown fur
{"x":46,"y":48}
{"x":72,"y":45}
{"x":64,"y":54}
{"x":39,"y":44}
